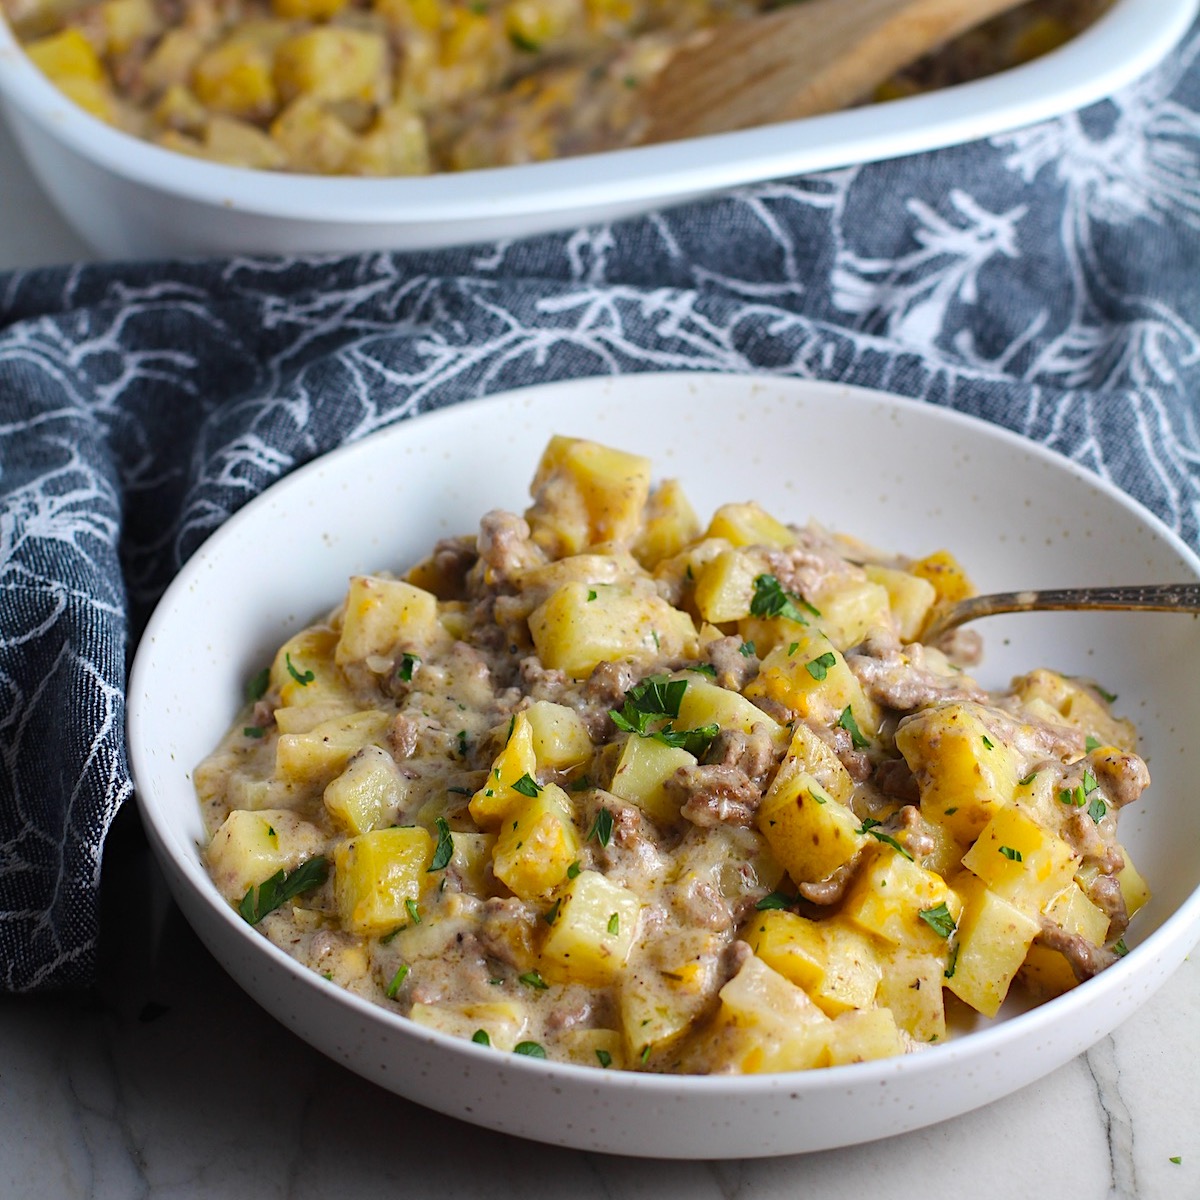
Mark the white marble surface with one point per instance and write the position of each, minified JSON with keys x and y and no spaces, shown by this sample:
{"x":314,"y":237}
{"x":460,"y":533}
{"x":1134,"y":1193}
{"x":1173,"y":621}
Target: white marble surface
{"x":172,"y":1084}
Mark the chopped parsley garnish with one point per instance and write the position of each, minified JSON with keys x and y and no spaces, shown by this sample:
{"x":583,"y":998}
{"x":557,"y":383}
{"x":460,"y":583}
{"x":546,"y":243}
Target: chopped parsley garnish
{"x":534,"y":980}
{"x":656,"y":696}
{"x":771,"y":600}
{"x":704,"y":669}
{"x":604,"y":1058}
{"x":1120,"y":949}
{"x":602,"y":827}
{"x":408,"y":664}
{"x":551,"y":915}
{"x":988,"y":744}
{"x":1176,"y":1159}
{"x":414,"y":912}
{"x":847,"y":722}
{"x":591,"y":594}
{"x":774,"y":900}
{"x":581,"y":784}
{"x":445,"y":847}
{"x":266,"y":897}
{"x":818,"y":668}
{"x":529,"y":1049}
{"x":1092,"y":743}
{"x":1097,"y":809}
{"x":614,"y":923}
{"x":747,"y":650}
{"x":574,"y":869}
{"x":1074,"y":796}
{"x":480,"y":1038}
{"x":302,"y":678}
{"x":253,"y":731}
{"x":256,"y":685}
{"x":1011,"y":854}
{"x":817,"y":797}
{"x":645,"y":1054}
{"x":939,"y":919}
{"x":1107,"y":697}
{"x":694,"y":741}
{"x":462,"y":743}
{"x":952,"y":965}
{"x":1089,"y":783}
{"x":527,"y":785}
{"x":1027,"y":780}
{"x":397,"y":981}
{"x":869,"y":827}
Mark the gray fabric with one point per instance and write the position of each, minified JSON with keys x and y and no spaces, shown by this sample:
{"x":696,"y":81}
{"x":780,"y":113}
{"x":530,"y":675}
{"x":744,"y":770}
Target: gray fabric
{"x":1044,"y":280}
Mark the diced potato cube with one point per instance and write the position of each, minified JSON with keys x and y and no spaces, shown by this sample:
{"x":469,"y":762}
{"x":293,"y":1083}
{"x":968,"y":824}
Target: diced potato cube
{"x":395,"y":144}
{"x":235,"y":77}
{"x":792,"y":945}
{"x":471,"y":861}
{"x":377,"y":873}
{"x":515,"y":762}
{"x":810,"y":678}
{"x":594,"y":929}
{"x":779,"y":1028}
{"x":965,"y":774}
{"x":707,"y":703}
{"x":66,"y":55}
{"x":241,"y":144}
{"x":250,"y":847}
{"x":811,"y":754}
{"x":304,"y":672}
{"x":504,"y":1021}
{"x":383,"y":616}
{"x":946,"y":574}
{"x":725,"y":587}
{"x":333,"y":63}
{"x":367,"y":793}
{"x":911,"y":987}
{"x":317,"y":756}
{"x":850,"y":606}
{"x":594,"y":1048}
{"x":586,"y":494}
{"x":127,"y":22}
{"x":1020,"y":860}
{"x":1134,"y":889}
{"x":864,"y":1034}
{"x":749,"y":525}
{"x":536,"y":844}
{"x":1046,"y":972}
{"x":1078,"y":706}
{"x":992,"y":942}
{"x":669,"y":523}
{"x":171,"y":60}
{"x":909,"y":596}
{"x":642,"y":772}
{"x":93,"y":96}
{"x":314,"y":139}
{"x":579,"y":626}
{"x":888,"y":896}
{"x":560,"y":738}
{"x":809,"y":832}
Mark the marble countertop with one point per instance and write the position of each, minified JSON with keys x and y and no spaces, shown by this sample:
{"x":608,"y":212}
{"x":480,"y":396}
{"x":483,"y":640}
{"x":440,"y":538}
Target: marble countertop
{"x":170,"y":1082}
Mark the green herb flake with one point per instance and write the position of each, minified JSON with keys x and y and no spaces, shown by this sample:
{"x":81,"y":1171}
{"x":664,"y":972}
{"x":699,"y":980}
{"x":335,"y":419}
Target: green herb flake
{"x":869,"y":827}
{"x":654,"y":697}
{"x":747,"y":650}
{"x":774,"y":900}
{"x":527,"y":785}
{"x":581,"y":784}
{"x":1011,"y":854}
{"x":1097,"y":809}
{"x":283,"y":886}
{"x":604,"y":1058}
{"x":414,"y":911}
{"x":694,"y":741}
{"x":480,"y":1038}
{"x":1089,"y":783}
{"x":792,"y":648}
{"x":574,"y":869}
{"x":591,"y":594}
{"x":602,"y":827}
{"x":1107,"y":697}
{"x":704,"y":669}
{"x":817,"y":797}
{"x":988,"y":744}
{"x":408,"y":664}
{"x":529,"y":46}
{"x":645,"y":1054}
{"x":847,"y":722}
{"x":1072,"y":796}
{"x":939,"y":919}
{"x":1027,"y":780}
{"x":445,"y":847}
{"x":256,"y":685}
{"x":397,"y":981}
{"x":303,"y":679}
{"x":770,"y":599}
{"x":529,"y":1049}
{"x":818,"y":668}
{"x":551,"y":914}
{"x":614,"y":923}
{"x":1120,"y":949}
{"x":461,"y":737}
{"x":952,"y":965}
{"x":1092,"y":743}
{"x":534,"y":980}
{"x":252,"y":731}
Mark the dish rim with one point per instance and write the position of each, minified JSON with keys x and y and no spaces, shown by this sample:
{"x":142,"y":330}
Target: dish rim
{"x":1089,"y":67}
{"x":1170,"y":940}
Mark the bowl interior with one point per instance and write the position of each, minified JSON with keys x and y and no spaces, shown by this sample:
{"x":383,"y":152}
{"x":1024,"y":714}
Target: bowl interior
{"x":902,"y":475}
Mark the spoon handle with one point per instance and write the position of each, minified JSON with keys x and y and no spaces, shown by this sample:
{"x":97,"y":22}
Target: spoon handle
{"x":1152,"y":597}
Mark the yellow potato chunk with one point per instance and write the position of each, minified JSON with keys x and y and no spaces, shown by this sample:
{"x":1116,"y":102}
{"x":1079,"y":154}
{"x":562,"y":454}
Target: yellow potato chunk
{"x":580,"y":626}
{"x":725,"y":587}
{"x":945,"y":573}
{"x":594,"y":928}
{"x":749,"y":525}
{"x":909,"y":596}
{"x":317,"y":756}
{"x":250,"y":847}
{"x":332,"y":63}
{"x":1046,"y":972}
{"x":235,"y":77}
{"x":965,"y":774}
{"x":669,"y":523}
{"x":706,"y":703}
{"x":1021,"y":861}
{"x":586,"y":494}
{"x":888,"y":896}
{"x":864,"y":1034}
{"x":559,"y":737}
{"x":504,"y":1021}
{"x":809,"y":832}
{"x":911,"y":987}
{"x":536,"y":844}
{"x":993,"y":940}
{"x":367,"y":793}
{"x":515,"y":762}
{"x":1077,"y":705}
{"x":304,"y":672}
{"x":850,"y":607}
{"x":383,"y":616}
{"x":377,"y":874}
{"x":65,"y":55}
{"x":642,"y":772}
{"x":809,"y":753}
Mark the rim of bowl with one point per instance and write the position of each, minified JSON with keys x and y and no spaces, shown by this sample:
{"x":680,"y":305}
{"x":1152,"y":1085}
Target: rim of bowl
{"x":1167,"y":945}
{"x":1096,"y":62}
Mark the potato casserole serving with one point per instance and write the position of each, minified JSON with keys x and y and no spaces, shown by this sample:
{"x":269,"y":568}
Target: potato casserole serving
{"x":404,"y":87}
{"x":605,"y":784}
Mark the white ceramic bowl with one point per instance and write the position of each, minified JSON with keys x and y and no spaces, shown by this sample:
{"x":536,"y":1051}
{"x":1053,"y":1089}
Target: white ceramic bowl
{"x":130,"y":199}
{"x":903,"y":475}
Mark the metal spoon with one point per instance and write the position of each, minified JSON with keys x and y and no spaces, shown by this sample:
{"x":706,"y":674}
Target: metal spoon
{"x":1153,"y":597}
{"x":806,"y":58}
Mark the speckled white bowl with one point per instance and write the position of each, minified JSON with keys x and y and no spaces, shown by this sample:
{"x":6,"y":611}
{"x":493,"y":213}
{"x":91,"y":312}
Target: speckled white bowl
{"x":129,"y":199}
{"x":923,"y":478}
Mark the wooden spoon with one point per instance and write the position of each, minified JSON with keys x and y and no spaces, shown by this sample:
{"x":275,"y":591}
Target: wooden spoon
{"x":813,"y":56}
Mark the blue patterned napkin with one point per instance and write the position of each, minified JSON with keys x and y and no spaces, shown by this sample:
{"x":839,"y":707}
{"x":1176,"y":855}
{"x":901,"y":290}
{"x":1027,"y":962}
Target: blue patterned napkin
{"x":1047,"y":280}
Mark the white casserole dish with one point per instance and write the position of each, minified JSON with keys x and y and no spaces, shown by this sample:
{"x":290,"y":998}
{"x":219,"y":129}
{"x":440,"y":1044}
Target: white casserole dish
{"x":130,"y":199}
